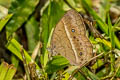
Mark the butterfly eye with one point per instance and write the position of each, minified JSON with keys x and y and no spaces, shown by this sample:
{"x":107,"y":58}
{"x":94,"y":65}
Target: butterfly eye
{"x":73,"y":30}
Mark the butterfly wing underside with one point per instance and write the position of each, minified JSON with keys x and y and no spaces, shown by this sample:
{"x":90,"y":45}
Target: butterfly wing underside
{"x":69,"y":39}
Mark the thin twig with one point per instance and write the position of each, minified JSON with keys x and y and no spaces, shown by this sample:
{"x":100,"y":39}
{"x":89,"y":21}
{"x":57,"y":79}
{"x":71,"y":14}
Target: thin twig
{"x":36,"y":50}
{"x":70,"y":78}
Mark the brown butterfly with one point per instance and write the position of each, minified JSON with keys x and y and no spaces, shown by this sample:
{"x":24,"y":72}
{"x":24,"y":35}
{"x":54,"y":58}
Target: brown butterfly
{"x":69,"y":39}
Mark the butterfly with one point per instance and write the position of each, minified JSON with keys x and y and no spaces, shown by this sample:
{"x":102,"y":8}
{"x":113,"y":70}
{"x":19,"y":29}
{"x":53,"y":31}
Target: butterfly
{"x":69,"y":39}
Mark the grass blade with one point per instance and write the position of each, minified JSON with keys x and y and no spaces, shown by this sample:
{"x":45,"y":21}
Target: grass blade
{"x":21,"y":13}
{"x":4,"y":21}
{"x":103,"y":26}
{"x":3,"y":70}
{"x":10,"y":73}
{"x":15,"y":48}
{"x":48,"y":21}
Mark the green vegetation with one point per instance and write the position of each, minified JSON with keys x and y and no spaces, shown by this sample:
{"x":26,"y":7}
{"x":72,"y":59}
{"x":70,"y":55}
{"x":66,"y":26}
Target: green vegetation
{"x":26,"y":27}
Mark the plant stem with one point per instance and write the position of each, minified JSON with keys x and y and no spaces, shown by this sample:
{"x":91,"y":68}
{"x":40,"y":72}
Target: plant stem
{"x":25,"y":64}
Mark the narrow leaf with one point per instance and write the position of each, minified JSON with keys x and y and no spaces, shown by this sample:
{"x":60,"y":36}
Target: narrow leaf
{"x":10,"y":73}
{"x":57,"y":63}
{"x":15,"y":48}
{"x":21,"y":14}
{"x":3,"y":70}
{"x":4,"y":21}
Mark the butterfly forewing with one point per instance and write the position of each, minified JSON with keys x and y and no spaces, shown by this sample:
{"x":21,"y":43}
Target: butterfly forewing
{"x":69,"y":39}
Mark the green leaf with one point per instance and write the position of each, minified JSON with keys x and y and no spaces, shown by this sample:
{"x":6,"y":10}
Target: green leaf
{"x":112,"y":39}
{"x":79,"y":76}
{"x":105,"y":42}
{"x":90,"y":74}
{"x":118,"y":72}
{"x":3,"y":70}
{"x":111,"y":33}
{"x":103,"y":72}
{"x":4,"y":21}
{"x":103,"y":26}
{"x":10,"y":73}
{"x":87,"y":73}
{"x":32,"y":31}
{"x":21,"y":14}
{"x":15,"y":48}
{"x":14,"y":60}
{"x":51,"y":16}
{"x":117,"y":41}
{"x":7,"y":71}
{"x":46,"y":51}
{"x":98,"y":64}
{"x":57,"y":63}
{"x":117,"y":23}
{"x":104,"y":9}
